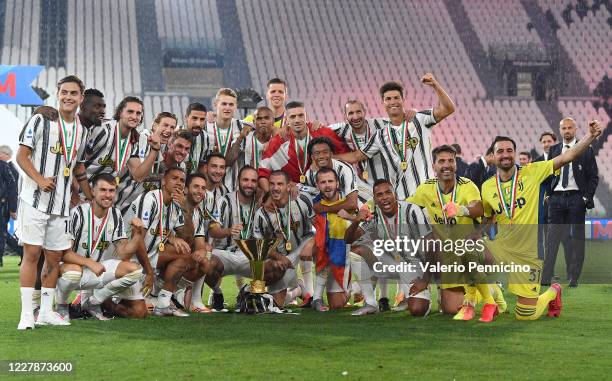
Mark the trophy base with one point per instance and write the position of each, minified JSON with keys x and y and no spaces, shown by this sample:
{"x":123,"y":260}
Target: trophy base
{"x":258,"y":287}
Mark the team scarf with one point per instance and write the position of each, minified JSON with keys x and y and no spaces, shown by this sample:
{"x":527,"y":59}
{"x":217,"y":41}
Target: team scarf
{"x":329,"y":242}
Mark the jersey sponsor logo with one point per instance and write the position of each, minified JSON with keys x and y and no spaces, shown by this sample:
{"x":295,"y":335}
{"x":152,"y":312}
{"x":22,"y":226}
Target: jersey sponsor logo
{"x":29,"y":133}
{"x":145,"y":215}
{"x":413,"y":142}
{"x":57,"y":149}
{"x":450,"y":221}
{"x":155,"y":231}
{"x":102,"y":245}
{"x":149,"y":186}
{"x":520,"y":202}
{"x":107,"y":162}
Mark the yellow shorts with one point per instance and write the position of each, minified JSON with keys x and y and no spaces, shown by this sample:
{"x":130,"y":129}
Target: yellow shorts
{"x":524,"y":284}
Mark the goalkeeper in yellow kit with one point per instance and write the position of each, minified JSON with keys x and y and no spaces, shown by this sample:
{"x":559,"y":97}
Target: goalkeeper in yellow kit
{"x":453,"y":204}
{"x":510,"y":199}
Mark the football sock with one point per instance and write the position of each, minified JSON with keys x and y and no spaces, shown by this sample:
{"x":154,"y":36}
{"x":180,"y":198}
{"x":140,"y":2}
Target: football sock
{"x":35,"y":298}
{"x":485,"y":292}
{"x":68,"y":282}
{"x":306,"y":267}
{"x":383,"y":285}
{"x":320,"y":281}
{"x":196,"y":293}
{"x":163,"y":299}
{"x":470,"y":295}
{"x":498,"y":295}
{"x":239,"y":282}
{"x":528,"y":312}
{"x":27,"y":307}
{"x":46,"y":299}
{"x":115,"y":286}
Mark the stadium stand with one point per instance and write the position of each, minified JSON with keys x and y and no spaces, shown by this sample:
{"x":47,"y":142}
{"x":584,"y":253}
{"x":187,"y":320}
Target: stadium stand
{"x":509,"y":22}
{"x":192,"y":24}
{"x":583,"y":37}
{"x":327,"y":52}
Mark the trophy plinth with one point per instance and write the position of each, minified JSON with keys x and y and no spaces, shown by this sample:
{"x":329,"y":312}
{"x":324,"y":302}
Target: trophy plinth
{"x":257,"y":251}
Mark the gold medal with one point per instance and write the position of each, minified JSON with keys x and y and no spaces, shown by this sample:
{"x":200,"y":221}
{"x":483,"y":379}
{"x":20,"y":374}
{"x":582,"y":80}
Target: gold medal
{"x":117,"y":179}
{"x":66,"y":172}
{"x":288,"y":246}
{"x":364,"y":174}
{"x":161,"y":247}
{"x":302,"y":179}
{"x":404,"y":165}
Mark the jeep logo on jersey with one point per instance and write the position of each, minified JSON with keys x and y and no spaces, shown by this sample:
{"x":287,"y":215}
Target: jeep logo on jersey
{"x":57,"y":149}
{"x":102,"y":245}
{"x":440,"y":220}
{"x":412,"y":143}
{"x":108,"y":162}
{"x":155,"y":231}
{"x":520,"y":202}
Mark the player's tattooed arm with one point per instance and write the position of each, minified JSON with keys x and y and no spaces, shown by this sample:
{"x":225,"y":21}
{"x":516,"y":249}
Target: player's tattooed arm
{"x":74,"y":258}
{"x":140,"y":171}
{"x":350,"y":203}
{"x":48,"y":112}
{"x":80,"y":173}
{"x":182,"y":240}
{"x":445,"y":105}
{"x":236,"y":148}
{"x":354,"y":232}
{"x":126,"y":249}
{"x":595,"y":129}
{"x":351,"y":157}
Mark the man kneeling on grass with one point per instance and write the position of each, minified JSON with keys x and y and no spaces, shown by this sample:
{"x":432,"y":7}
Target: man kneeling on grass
{"x":99,"y":259}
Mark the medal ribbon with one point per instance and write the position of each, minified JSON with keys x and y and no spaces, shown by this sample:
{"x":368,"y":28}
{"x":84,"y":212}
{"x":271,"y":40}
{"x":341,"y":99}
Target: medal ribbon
{"x":362,"y":164}
{"x":382,"y":217}
{"x":405,"y":133}
{"x":92,"y":240}
{"x":287,"y":234}
{"x":508,"y":209}
{"x":245,"y":234}
{"x":121,"y":148}
{"x":72,"y":148}
{"x":441,"y":199}
{"x":297,"y":153}
{"x":223,"y":148}
{"x":255,"y":154}
{"x":161,"y":215}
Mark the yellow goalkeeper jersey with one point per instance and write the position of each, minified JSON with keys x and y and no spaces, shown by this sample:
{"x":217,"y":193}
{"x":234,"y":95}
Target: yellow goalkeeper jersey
{"x":426,"y":196}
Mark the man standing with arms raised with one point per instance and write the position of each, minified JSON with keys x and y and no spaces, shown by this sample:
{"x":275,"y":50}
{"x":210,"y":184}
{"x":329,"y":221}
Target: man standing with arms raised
{"x":405,"y":144}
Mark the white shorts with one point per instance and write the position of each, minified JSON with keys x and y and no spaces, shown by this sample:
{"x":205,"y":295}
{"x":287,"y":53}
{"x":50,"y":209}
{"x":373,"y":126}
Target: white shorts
{"x":89,"y":280}
{"x":234,"y":262}
{"x":425,"y":294}
{"x":40,"y":229}
{"x":332,"y":285}
{"x":289,"y":279}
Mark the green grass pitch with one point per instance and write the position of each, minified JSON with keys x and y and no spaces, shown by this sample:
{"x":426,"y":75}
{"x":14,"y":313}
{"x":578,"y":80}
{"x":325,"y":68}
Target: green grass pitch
{"x":389,"y":346}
